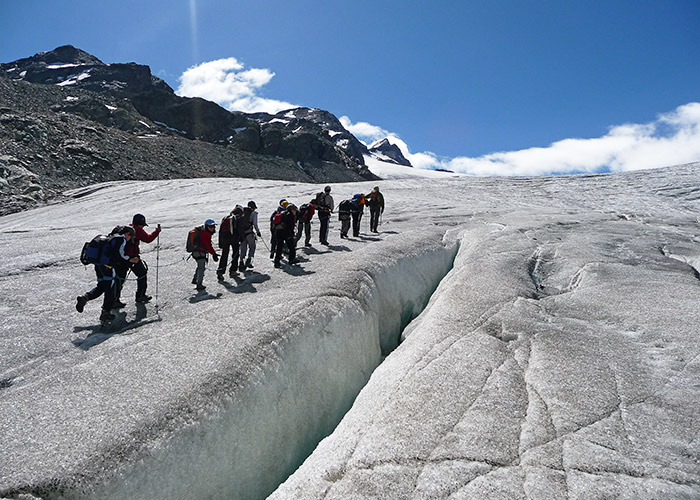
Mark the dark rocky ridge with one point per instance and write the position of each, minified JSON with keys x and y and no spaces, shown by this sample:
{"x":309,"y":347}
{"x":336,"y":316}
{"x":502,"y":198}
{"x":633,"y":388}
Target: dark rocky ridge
{"x":388,"y":152}
{"x":120,"y":122}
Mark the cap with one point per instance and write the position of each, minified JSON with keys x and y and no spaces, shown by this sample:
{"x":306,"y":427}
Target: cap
{"x":252,"y":204}
{"x":327,"y":188}
{"x":209,"y":222}
{"x":291,"y":207}
{"x":284,"y":203}
{"x":139,"y":220}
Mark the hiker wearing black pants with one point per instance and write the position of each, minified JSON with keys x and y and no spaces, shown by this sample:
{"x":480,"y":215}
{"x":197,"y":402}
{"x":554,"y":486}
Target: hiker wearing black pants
{"x":106,"y":276}
{"x":375,"y":201}
{"x":324,"y":206}
{"x":304,"y":216}
{"x":273,"y":234}
{"x":285,"y":235}
{"x":356,"y":210}
{"x":139,"y":267}
{"x":228,"y":241}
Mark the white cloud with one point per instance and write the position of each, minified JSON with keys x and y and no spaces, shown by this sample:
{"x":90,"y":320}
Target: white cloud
{"x":227,"y":83}
{"x":364,"y":131}
{"x":672,"y":139}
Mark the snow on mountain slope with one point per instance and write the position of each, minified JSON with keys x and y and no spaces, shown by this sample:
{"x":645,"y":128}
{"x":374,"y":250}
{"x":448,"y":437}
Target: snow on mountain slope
{"x":392,"y":171}
{"x":558,"y":356}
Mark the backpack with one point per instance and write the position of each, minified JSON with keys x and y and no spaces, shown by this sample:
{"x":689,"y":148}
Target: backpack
{"x":344,"y":210}
{"x":320,"y":201}
{"x":228,"y":226}
{"x":277,"y":218}
{"x":97,"y":251}
{"x":193,"y":239}
{"x":244,"y":224}
{"x":306,"y":212}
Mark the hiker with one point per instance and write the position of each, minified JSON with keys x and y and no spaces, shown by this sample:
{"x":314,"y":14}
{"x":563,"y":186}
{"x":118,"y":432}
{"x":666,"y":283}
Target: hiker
{"x":356,"y":210}
{"x":285,"y":234}
{"x":324,"y":207}
{"x":228,"y":241}
{"x":344,"y":211}
{"x":247,"y":229}
{"x":375,"y":201}
{"x":115,"y":253}
{"x":306,"y":213}
{"x":199,"y":240}
{"x":273,"y":238}
{"x":139,"y":267}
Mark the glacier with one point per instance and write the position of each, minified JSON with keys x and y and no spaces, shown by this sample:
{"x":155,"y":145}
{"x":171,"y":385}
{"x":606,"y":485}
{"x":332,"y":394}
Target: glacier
{"x":499,"y":338}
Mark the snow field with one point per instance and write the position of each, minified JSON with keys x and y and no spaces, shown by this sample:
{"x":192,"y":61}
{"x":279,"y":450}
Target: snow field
{"x":540,"y":369}
{"x":557,"y":359}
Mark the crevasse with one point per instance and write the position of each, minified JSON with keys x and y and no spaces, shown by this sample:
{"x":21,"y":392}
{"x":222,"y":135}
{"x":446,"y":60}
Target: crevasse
{"x":266,"y":429}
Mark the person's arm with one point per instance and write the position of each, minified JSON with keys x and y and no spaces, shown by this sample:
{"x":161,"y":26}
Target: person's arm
{"x":142,"y":235}
{"x":254,"y":222}
{"x":122,"y":252}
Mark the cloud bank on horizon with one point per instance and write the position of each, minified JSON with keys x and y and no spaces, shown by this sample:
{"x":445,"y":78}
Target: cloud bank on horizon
{"x":672,"y":139}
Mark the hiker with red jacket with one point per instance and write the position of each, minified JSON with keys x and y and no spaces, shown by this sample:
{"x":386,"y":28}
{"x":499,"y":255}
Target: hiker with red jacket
{"x":202,"y":248}
{"x":306,"y":213}
{"x":273,"y":238}
{"x":284,"y":233}
{"x":139,"y":267}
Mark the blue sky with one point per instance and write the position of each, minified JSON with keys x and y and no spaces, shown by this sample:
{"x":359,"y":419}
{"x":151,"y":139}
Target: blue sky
{"x":487,"y":87}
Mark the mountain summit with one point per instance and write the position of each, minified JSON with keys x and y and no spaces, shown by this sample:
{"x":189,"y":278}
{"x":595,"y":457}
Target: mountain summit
{"x":70,"y":120}
{"x":388,"y":152}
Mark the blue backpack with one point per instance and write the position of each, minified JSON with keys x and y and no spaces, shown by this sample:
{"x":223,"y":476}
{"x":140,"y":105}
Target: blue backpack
{"x":98,"y":250}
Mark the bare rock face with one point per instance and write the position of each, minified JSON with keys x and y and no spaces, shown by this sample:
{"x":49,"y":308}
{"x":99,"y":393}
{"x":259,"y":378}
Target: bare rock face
{"x":18,"y":185}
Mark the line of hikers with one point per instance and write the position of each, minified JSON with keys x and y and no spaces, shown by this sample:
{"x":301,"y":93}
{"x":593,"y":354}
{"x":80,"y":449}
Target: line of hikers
{"x":118,"y":253}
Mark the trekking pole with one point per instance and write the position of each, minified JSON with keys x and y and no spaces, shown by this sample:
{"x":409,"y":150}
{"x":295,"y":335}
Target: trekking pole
{"x":263,"y":240}
{"x":157,"y":267}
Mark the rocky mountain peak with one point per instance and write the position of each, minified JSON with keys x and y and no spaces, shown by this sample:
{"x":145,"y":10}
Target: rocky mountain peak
{"x":388,"y":152}
{"x":69,"y":66}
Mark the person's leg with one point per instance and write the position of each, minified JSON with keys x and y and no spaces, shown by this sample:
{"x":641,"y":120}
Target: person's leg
{"x":140,"y":271}
{"x":223,"y":259}
{"x":199,"y":274}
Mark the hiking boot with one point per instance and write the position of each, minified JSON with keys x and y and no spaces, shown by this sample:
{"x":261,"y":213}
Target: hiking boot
{"x":325,"y":243}
{"x":80,"y":304}
{"x":241,"y":266}
{"x":277,"y":264}
{"x":106,"y":316}
{"x":272,"y":255}
{"x":220,"y":277}
{"x":143,"y":299}
{"x":307,"y":244}
{"x":118,"y":304}
{"x":199,"y":288}
{"x":249,"y":264}
{"x":194,"y":280}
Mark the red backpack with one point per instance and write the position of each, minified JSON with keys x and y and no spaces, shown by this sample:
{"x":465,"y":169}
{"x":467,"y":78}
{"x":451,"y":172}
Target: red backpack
{"x":193,"y":238}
